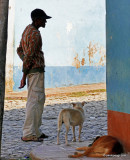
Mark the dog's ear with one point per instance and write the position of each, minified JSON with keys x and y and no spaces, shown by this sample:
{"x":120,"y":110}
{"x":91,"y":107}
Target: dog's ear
{"x":83,"y":103}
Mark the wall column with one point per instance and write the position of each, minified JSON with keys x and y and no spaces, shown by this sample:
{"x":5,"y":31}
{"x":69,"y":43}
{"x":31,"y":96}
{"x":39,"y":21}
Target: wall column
{"x":10,"y":48}
{"x":118,"y":69}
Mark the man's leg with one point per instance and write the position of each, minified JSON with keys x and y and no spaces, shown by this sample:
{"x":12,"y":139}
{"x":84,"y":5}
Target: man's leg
{"x":35,"y":104}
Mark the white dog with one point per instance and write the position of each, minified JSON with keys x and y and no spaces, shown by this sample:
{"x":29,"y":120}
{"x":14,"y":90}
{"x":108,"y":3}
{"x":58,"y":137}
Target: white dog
{"x":71,"y":117}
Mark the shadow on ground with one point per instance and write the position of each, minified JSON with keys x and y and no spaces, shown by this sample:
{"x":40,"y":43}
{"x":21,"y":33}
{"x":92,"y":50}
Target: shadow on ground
{"x":12,"y":147}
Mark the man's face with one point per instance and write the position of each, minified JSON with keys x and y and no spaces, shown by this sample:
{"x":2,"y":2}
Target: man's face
{"x":42,"y":22}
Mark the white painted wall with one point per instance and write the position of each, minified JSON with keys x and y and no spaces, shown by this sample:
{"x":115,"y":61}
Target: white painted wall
{"x":74,"y":37}
{"x":10,"y":47}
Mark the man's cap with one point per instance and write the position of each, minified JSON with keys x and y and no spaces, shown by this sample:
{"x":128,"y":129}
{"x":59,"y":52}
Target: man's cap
{"x":39,"y":13}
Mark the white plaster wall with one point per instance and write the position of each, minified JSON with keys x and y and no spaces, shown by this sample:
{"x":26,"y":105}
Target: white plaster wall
{"x":10,"y":47}
{"x":73,"y":39}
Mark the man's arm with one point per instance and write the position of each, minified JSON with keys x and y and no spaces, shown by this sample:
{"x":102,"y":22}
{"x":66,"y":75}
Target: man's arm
{"x":33,"y":48}
{"x":23,"y":81}
{"x":20,"y":52}
{"x":27,"y":58}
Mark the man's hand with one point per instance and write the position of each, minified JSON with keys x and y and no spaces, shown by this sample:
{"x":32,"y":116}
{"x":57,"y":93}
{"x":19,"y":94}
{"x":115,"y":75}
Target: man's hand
{"x":23,"y":81}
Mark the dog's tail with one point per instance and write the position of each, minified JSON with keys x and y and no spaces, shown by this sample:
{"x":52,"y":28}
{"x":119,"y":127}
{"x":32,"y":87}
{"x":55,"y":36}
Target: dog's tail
{"x":60,"y":121}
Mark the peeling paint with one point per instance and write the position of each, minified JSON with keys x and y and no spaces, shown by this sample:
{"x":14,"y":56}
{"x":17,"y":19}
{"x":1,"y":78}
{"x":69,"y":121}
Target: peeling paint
{"x":96,"y":56}
{"x":9,"y":83}
{"x":76,"y":62}
{"x":94,"y":49}
{"x":102,"y":53}
{"x":83,"y":61}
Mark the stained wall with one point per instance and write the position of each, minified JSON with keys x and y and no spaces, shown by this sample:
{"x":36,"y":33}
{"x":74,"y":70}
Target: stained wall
{"x":73,"y":41}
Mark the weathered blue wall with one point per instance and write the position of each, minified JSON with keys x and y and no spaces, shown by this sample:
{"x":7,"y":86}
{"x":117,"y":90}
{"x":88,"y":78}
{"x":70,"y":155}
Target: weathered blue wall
{"x":118,"y":70}
{"x":73,"y":40}
{"x":118,"y":55}
{"x":63,"y":76}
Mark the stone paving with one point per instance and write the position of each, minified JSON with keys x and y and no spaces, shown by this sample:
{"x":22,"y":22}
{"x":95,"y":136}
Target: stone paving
{"x":61,"y":152}
{"x":95,"y":123}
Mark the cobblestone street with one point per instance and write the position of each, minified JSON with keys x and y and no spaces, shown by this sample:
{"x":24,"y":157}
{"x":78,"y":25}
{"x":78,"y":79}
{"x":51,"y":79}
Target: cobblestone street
{"x":95,"y":122}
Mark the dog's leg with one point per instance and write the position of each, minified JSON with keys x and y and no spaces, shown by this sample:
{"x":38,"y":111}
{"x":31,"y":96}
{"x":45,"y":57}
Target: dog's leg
{"x":74,"y":139}
{"x":58,"y":137}
{"x":60,"y":120}
{"x":66,"y":135}
{"x":96,"y":155}
{"x":98,"y":152}
{"x":82,"y":148}
{"x":80,"y":128}
{"x":76,"y":155}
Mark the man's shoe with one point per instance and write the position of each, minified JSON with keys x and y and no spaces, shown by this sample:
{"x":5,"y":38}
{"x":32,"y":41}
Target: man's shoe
{"x":43,"y":136}
{"x":31,"y":138}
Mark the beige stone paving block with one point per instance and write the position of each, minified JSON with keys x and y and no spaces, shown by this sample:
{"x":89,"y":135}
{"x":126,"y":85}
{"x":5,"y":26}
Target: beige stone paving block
{"x":61,"y":152}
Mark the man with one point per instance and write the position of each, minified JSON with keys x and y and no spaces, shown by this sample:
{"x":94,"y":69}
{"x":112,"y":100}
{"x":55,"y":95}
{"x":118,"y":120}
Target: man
{"x":30,"y":52}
